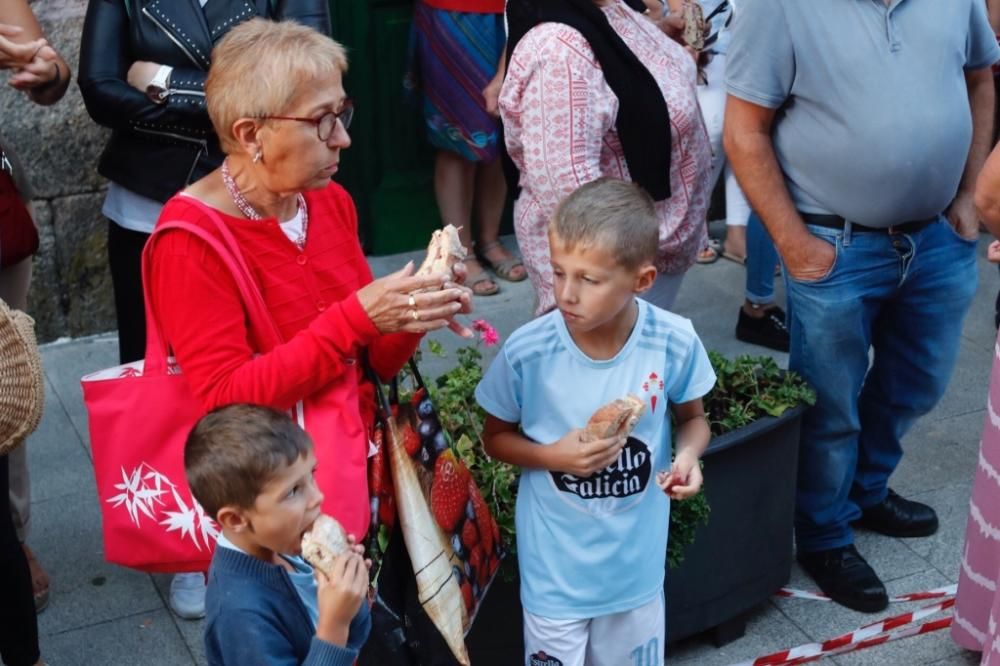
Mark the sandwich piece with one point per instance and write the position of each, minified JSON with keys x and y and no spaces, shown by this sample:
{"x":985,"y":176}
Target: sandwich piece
{"x":617,"y":418}
{"x":695,"y":26}
{"x":323,"y":543}
{"x":443,"y":252}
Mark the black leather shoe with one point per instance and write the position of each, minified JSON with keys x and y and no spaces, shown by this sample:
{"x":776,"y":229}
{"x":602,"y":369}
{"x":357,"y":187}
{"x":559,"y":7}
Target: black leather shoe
{"x":845,"y":577}
{"x":898,"y":517}
{"x":767,"y":331}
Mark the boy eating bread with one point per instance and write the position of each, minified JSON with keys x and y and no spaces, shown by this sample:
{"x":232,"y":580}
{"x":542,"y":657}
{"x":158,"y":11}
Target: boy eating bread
{"x":251,"y":469}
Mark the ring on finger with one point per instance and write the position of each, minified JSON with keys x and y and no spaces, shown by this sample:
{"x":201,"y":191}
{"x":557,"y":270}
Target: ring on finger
{"x":413,"y":301}
{"x":415,"y":314}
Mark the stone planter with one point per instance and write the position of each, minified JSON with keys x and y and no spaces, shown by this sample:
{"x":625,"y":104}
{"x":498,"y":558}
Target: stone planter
{"x":744,"y":553}
{"x":738,"y":559}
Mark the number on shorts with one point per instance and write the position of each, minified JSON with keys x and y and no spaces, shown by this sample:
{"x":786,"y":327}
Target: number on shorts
{"x":648,"y":654}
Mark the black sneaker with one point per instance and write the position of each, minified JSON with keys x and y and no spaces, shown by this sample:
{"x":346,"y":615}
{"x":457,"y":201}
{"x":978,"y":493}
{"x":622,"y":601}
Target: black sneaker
{"x":767,"y":331}
{"x":847,"y":578}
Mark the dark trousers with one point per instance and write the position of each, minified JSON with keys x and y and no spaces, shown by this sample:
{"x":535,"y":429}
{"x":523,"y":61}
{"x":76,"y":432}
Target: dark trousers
{"x":18,"y":624}
{"x":125,"y":260}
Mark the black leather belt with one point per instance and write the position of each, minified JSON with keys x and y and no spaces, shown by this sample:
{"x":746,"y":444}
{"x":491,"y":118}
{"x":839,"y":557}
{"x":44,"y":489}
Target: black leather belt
{"x":837,"y":222}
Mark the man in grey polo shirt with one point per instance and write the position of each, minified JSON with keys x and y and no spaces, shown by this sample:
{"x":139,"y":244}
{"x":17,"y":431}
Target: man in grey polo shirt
{"x":856,"y":129}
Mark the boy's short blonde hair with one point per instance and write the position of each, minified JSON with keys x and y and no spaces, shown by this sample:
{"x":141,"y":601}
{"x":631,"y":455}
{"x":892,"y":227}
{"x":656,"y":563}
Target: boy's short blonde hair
{"x":234,"y":451}
{"x":617,"y":215}
{"x":261,"y":66}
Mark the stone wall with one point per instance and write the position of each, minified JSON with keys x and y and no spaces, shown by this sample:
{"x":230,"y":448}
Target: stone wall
{"x":59,"y":147}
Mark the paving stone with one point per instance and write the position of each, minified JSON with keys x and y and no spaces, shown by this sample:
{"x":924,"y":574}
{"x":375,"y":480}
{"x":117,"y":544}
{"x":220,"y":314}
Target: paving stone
{"x":64,"y":365}
{"x":943,"y":550}
{"x":938,"y":453}
{"x":57,"y":462}
{"x":969,"y":383}
{"x":149,"y":639}
{"x":191,"y":631}
{"x":979,"y":327}
{"x":963,"y":658}
{"x":768,"y":630}
{"x":933,"y":648}
{"x":890,"y":557}
{"x":66,"y":537}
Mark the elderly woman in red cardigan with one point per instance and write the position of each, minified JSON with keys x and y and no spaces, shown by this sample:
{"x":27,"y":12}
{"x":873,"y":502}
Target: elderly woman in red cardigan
{"x":276,"y":99}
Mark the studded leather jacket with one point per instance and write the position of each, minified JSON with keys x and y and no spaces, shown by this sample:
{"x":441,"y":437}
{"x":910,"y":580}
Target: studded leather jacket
{"x":157,"y":149}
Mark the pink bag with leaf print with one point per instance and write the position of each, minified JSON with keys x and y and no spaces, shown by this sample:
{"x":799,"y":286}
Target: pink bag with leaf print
{"x":139,"y":417}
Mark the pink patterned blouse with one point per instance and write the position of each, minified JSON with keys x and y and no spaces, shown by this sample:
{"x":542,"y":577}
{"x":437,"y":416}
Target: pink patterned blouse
{"x":559,"y":119}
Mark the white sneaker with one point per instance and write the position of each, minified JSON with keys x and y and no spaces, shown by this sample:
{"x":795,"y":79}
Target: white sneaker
{"x":187,"y":595}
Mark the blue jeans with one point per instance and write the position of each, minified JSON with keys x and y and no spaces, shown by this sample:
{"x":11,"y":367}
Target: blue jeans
{"x":904,"y":296}
{"x":761,"y":260}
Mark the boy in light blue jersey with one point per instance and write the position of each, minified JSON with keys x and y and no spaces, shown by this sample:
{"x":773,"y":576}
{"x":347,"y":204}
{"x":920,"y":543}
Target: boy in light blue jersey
{"x":592,"y":516}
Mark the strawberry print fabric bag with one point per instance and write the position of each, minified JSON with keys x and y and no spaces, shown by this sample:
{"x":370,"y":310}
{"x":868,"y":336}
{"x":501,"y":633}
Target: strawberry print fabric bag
{"x":442,"y":544}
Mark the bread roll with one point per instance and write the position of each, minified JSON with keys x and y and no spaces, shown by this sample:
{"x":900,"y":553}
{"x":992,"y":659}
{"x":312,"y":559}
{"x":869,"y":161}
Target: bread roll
{"x":323,"y":543}
{"x":618,"y":417}
{"x":444,"y":251}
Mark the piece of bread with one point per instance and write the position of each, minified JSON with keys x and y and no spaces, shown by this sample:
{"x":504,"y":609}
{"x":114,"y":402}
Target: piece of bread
{"x":695,"y":26}
{"x":444,"y":251}
{"x":323,"y":543}
{"x":618,"y":417}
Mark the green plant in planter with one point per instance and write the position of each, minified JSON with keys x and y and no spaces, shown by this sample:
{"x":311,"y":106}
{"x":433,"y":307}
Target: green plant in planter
{"x":747,"y":388}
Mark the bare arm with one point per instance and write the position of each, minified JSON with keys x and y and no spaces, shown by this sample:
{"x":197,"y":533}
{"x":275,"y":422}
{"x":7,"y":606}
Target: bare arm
{"x":962,"y":212}
{"x":671,"y":25}
{"x":491,"y":93}
{"x":692,"y":429}
{"x":38,"y":69}
{"x":987,"y":197}
{"x":748,"y":145}
{"x":993,"y":9}
{"x":693,"y":435}
{"x":503,"y":441}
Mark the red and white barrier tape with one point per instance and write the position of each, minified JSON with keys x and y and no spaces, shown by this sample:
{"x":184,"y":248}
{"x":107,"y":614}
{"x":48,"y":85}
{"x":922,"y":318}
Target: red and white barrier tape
{"x":926,"y":628}
{"x":936,"y":593}
{"x":870,"y":635}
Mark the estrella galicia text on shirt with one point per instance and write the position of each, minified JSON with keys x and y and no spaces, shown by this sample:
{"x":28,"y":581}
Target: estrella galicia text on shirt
{"x":628,"y":475}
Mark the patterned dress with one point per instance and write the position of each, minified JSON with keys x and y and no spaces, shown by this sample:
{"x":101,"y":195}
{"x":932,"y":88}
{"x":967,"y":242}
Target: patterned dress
{"x":559,"y":118}
{"x":454,"y":55}
{"x":977,"y":607}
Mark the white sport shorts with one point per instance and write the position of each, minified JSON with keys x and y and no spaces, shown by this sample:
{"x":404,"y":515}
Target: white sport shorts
{"x":631,"y":638}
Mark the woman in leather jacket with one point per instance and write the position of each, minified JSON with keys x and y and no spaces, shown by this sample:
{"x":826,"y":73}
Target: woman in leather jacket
{"x":143,"y":65}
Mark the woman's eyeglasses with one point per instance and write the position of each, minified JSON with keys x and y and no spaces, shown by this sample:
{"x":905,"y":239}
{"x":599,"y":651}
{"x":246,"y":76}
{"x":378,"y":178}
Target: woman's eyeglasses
{"x":326,"y":123}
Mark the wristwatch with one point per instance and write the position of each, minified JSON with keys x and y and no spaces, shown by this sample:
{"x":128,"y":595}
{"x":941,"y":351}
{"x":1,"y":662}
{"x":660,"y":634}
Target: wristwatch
{"x":159,"y":87}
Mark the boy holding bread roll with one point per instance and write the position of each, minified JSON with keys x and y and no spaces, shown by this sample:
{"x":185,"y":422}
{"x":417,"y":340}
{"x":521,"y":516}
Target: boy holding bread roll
{"x":251,"y":469}
{"x":581,"y":399}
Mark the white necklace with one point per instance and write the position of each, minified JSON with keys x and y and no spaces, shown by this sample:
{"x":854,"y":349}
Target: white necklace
{"x":251,"y":213}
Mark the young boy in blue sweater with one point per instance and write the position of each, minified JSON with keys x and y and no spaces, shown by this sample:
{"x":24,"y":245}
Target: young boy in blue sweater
{"x":592,"y":516}
{"x":251,"y":469}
